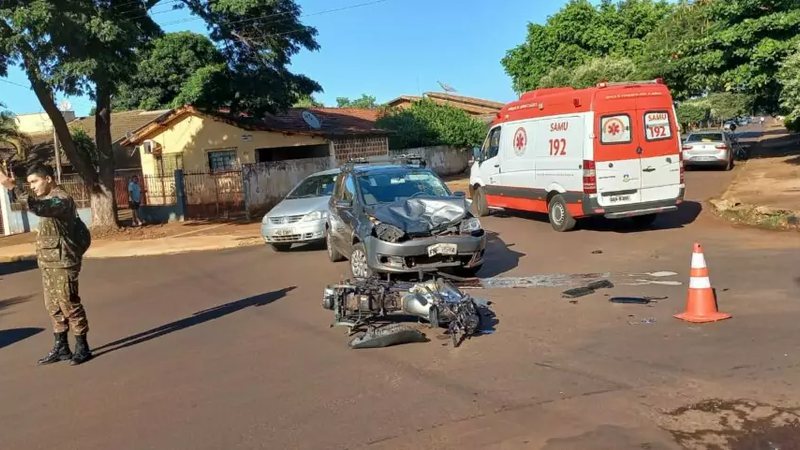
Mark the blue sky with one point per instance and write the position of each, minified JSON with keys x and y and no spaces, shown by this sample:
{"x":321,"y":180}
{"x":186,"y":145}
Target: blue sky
{"x":386,"y":49}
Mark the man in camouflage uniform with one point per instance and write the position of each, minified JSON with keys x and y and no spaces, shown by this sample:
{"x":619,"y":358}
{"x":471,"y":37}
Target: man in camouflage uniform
{"x":59,"y":259}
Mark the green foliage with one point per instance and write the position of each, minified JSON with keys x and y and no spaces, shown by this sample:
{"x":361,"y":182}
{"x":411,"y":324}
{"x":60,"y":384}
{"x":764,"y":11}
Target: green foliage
{"x":727,"y":105}
{"x":85,"y":144}
{"x":365,"y":101}
{"x":426,"y":123}
{"x":789,"y":77}
{"x":724,"y":45}
{"x":692,"y":112}
{"x":578,"y":33}
{"x":167,"y":69}
{"x":10,"y":136}
{"x":307,"y":101}
{"x":590,"y":73}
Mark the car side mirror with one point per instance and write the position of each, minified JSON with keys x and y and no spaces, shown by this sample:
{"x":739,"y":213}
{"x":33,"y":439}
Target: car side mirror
{"x":461,"y":194}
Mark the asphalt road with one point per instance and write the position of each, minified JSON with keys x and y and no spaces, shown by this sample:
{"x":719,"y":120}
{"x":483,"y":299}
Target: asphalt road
{"x":232,"y":349}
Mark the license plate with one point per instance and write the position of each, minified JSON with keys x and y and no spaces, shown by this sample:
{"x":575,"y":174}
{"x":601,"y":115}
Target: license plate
{"x":619,"y":198}
{"x":442,"y":249}
{"x":704,"y":158}
{"x":283,"y":232}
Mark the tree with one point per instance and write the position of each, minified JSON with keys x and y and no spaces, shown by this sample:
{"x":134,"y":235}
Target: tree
{"x":590,"y":73}
{"x":10,"y":136}
{"x":724,"y":46}
{"x":165,"y":69}
{"x":727,"y":105}
{"x":692,"y":112}
{"x":578,"y":33}
{"x":789,"y":77}
{"x":86,"y":47}
{"x":307,"y":101}
{"x":365,"y":101}
{"x":427,"y":123}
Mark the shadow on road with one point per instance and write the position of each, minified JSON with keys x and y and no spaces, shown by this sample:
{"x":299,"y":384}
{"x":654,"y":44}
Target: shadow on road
{"x":14,"y":301}
{"x":14,"y":335}
{"x":197,"y":318}
{"x":14,"y":267}
{"x":687,"y":213}
{"x":499,"y":257}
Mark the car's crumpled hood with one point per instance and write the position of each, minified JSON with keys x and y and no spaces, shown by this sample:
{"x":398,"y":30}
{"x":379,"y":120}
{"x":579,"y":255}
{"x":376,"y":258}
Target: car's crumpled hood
{"x":421,"y":215}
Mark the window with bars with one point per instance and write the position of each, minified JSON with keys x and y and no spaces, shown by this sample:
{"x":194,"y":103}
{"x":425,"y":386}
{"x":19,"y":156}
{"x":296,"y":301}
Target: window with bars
{"x":223,"y":160}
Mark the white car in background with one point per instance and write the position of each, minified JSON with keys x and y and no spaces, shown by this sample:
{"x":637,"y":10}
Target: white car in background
{"x":300,"y":217}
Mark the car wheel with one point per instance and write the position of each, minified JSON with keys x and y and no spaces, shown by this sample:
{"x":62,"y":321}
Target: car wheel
{"x":645,"y":220}
{"x":333,"y":254}
{"x":560,"y":218}
{"x":729,"y":166}
{"x":479,"y":206}
{"x":358,"y":262}
{"x":281,"y":247}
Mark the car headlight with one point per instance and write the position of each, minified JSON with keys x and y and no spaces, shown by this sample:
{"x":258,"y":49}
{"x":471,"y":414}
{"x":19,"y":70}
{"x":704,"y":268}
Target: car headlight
{"x":314,"y":216}
{"x":470,"y":225}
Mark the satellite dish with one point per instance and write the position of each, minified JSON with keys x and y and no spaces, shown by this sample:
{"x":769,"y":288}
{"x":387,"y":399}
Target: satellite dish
{"x":311,"y":120}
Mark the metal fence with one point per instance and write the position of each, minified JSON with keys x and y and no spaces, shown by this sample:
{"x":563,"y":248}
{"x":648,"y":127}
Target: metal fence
{"x":158,"y":190}
{"x":214,"y":195}
{"x":73,"y":184}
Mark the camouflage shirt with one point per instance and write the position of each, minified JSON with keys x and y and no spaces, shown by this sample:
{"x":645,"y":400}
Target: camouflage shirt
{"x":56,"y":213}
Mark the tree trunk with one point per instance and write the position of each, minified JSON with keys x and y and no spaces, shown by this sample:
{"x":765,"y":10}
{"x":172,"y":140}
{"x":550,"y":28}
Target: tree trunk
{"x":104,"y":204}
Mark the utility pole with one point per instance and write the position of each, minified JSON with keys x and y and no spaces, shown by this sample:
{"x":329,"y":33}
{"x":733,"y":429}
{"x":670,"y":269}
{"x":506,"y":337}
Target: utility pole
{"x":58,"y":155}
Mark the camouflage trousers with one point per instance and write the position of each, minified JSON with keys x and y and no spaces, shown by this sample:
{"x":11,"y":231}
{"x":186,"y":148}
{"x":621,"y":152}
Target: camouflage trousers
{"x":62,"y":302}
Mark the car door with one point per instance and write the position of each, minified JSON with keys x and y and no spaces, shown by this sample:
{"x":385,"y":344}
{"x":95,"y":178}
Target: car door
{"x":342,"y":214}
{"x":617,"y":159}
{"x":660,"y":157}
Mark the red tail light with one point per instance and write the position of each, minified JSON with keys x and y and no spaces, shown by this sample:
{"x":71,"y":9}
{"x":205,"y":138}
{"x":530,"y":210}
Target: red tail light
{"x":687,"y":147}
{"x":680,"y":161}
{"x":589,"y":177}
{"x":721,"y":146}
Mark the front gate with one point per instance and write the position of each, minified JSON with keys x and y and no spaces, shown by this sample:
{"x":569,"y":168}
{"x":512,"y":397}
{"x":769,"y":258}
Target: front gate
{"x":214,"y":195}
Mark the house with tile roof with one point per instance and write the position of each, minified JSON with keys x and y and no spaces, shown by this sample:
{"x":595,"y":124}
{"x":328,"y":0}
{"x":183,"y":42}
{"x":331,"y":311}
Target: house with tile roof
{"x":202,"y":141}
{"x":482,"y":109}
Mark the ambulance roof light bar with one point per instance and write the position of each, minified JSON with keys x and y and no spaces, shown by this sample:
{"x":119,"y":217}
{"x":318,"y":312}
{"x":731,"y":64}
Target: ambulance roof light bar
{"x":629,"y":83}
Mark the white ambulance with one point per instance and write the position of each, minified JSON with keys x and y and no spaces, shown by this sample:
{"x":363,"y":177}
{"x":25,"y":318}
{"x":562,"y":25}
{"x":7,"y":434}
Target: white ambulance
{"x":612,"y":150}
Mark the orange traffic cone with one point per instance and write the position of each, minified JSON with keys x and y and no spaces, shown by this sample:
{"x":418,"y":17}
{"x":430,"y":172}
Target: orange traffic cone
{"x":701,"y":306}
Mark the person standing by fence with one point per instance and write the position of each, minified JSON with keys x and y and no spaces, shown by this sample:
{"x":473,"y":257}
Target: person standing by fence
{"x":60,"y":244}
{"x":135,"y":199}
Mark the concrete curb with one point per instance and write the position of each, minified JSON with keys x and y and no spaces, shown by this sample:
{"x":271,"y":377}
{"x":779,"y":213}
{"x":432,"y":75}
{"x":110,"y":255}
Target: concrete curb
{"x":134,"y":252}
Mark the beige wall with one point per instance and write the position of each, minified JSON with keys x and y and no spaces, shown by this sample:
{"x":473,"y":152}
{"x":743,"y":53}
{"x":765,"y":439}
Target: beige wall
{"x":195,"y":136}
{"x":39,"y":122}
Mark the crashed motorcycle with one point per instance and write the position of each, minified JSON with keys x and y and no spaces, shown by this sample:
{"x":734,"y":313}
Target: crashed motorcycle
{"x":363,"y":304}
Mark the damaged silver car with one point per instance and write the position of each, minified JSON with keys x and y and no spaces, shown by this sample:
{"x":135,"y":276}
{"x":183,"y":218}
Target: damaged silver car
{"x":401,"y":219}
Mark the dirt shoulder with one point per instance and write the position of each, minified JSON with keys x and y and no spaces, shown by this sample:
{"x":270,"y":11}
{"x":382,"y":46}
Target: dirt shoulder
{"x":766,"y":190}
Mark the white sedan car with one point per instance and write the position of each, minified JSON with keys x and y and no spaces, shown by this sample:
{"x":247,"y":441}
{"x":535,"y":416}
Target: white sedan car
{"x":300,"y":217}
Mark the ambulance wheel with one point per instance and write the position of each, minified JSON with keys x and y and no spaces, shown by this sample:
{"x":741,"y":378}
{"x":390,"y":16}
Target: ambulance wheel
{"x":479,"y":206}
{"x":560,"y":218}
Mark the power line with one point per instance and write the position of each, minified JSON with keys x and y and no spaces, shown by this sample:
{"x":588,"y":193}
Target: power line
{"x":15,"y":84}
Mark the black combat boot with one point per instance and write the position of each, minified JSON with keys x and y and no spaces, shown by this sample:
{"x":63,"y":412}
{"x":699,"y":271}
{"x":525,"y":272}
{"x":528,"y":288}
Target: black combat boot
{"x":60,"y":351}
{"x":82,"y":352}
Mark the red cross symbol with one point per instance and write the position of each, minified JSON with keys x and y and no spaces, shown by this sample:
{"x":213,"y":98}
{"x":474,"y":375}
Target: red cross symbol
{"x":614,"y":128}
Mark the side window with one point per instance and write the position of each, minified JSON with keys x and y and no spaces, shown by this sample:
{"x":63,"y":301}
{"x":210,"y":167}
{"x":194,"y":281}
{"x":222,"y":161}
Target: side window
{"x":656,"y":125}
{"x":349,"y":193}
{"x":615,"y":129}
{"x":338,"y":189}
{"x":492,"y":144}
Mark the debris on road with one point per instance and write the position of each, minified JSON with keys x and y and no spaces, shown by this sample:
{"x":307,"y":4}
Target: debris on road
{"x":645,"y":321}
{"x":597,"y":252}
{"x":377,"y":337}
{"x":636,"y":300}
{"x":577,"y":292}
{"x":566,"y":280}
{"x":363,"y":304}
{"x":600,"y":284}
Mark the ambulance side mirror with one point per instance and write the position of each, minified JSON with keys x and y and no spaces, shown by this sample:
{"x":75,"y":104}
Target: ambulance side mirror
{"x":476,"y":153}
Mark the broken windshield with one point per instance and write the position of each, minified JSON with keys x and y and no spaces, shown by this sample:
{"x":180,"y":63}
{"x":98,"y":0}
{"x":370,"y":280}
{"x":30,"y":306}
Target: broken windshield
{"x":393,"y":185}
{"x":318,"y":186}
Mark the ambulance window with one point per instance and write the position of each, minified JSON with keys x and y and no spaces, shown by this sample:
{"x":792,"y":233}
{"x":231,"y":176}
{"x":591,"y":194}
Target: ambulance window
{"x":656,"y":125}
{"x":615,"y":129}
{"x":492,"y":145}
